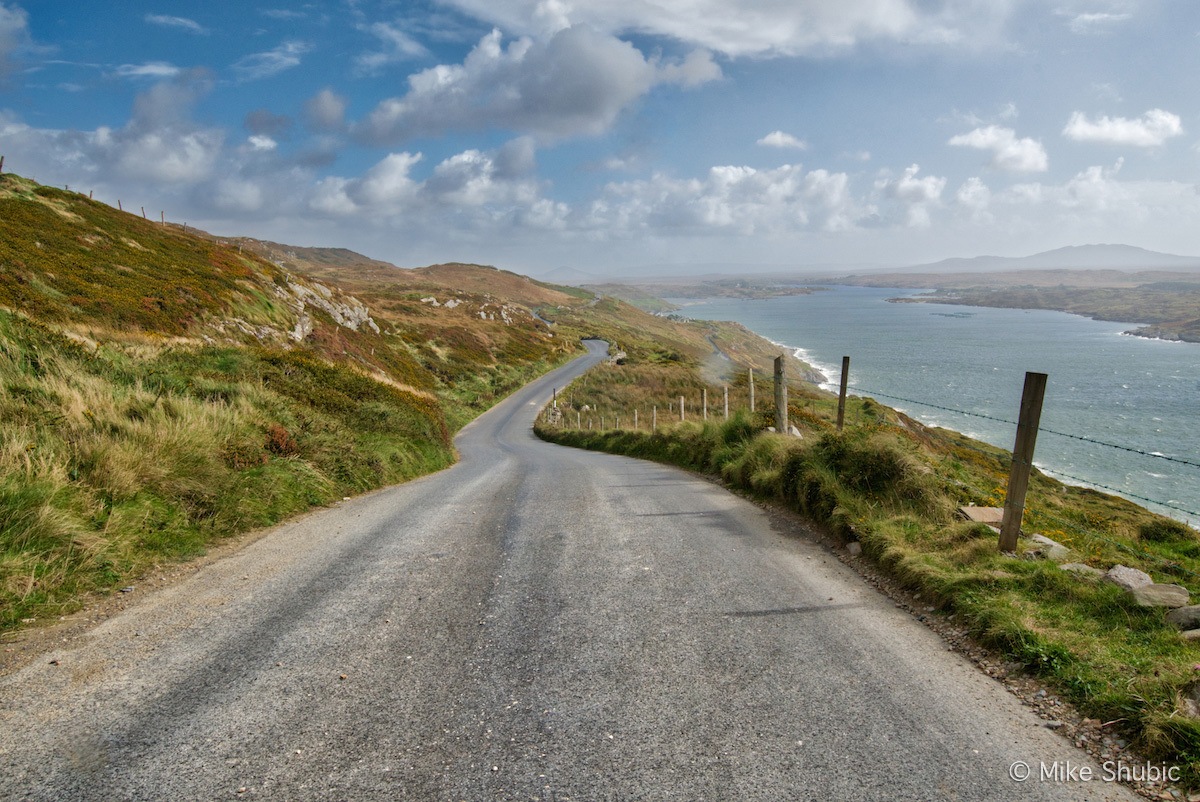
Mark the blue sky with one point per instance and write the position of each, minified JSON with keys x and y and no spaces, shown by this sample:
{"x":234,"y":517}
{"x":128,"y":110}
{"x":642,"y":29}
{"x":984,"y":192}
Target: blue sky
{"x":625,"y":135}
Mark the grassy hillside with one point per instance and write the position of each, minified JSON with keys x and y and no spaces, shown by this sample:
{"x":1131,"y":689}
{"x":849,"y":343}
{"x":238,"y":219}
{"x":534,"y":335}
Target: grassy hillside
{"x":893,"y":485}
{"x":161,"y":388}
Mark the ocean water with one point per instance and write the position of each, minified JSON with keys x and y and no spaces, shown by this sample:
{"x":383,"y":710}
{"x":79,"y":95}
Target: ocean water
{"x":1141,"y":394}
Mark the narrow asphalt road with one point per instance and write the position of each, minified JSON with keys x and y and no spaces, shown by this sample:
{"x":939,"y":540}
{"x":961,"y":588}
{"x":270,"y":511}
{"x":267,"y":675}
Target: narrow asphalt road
{"x":535,"y":623}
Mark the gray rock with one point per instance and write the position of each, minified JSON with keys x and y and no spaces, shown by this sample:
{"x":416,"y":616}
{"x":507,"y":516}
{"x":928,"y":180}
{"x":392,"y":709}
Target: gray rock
{"x":1050,"y":548}
{"x":1128,"y":578}
{"x":854,"y":548}
{"x":1185,"y":617}
{"x":1161,"y":596}
{"x":983,"y":515}
{"x":1080,"y":568}
{"x":1191,"y":634}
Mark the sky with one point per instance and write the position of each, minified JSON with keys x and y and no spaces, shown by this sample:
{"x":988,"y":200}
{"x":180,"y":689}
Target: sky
{"x":622,"y":137}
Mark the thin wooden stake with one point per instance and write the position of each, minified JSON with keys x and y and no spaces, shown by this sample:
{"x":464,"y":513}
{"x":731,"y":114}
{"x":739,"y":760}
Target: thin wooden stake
{"x":842,"y":393}
{"x":781,"y":410}
{"x":1022,"y":460}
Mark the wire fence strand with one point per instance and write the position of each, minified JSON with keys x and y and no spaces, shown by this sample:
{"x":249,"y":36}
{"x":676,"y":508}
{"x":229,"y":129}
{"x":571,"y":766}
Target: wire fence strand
{"x":1042,"y":429}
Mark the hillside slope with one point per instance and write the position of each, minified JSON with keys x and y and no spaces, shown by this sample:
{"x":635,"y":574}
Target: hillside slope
{"x":162,"y":388}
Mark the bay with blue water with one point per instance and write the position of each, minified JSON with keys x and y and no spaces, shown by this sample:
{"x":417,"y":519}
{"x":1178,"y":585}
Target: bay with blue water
{"x":1138,"y":393}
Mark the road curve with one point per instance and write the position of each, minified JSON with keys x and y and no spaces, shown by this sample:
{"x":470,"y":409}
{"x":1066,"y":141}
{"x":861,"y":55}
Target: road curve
{"x":535,"y":623}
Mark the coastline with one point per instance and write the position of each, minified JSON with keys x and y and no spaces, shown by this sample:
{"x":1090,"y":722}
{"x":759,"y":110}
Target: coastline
{"x":1096,"y":384}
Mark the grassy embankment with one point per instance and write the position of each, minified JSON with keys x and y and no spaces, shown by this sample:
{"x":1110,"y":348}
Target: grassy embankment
{"x":160,"y":390}
{"x":894,"y":485}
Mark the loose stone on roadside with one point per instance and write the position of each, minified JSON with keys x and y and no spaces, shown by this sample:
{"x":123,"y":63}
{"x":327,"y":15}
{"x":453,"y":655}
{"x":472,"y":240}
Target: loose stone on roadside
{"x":1050,"y":549}
{"x":1185,"y":618}
{"x":1081,"y":569}
{"x":1128,"y":578}
{"x":1161,"y":596}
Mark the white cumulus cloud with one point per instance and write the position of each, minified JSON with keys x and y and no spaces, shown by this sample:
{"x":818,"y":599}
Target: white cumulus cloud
{"x":730,"y":199}
{"x":916,"y":196}
{"x":779,"y":139}
{"x":576,"y":82}
{"x":1151,"y":130}
{"x":14,"y":35}
{"x":759,"y":27}
{"x":325,"y":111}
{"x":1009,"y":153}
{"x":1096,"y":21}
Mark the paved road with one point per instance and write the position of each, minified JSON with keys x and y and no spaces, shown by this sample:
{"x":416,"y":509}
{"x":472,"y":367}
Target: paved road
{"x":536,"y":623}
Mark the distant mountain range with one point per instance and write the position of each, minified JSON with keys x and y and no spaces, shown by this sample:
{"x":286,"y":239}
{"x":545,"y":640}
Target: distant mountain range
{"x":1072,"y":257}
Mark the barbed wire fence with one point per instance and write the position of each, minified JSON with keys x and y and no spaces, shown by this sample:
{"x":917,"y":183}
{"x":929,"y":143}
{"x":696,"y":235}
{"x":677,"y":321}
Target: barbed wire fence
{"x":678,"y":408}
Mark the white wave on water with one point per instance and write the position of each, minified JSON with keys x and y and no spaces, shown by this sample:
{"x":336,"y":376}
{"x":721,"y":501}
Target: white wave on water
{"x":832,"y":375}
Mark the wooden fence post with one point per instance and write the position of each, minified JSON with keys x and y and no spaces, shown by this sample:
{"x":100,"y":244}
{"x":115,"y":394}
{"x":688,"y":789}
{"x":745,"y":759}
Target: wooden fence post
{"x":842,"y":393}
{"x":704,"y":403}
{"x":781,"y":410}
{"x":635,"y":425}
{"x":726,"y":402}
{"x":751,"y":389}
{"x":1022,"y":459}
{"x":682,"y":414}
{"x":654,"y":420}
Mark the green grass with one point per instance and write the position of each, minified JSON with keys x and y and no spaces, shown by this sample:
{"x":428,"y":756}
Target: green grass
{"x":144,"y":421}
{"x":894,"y":485}
{"x":112,"y":461}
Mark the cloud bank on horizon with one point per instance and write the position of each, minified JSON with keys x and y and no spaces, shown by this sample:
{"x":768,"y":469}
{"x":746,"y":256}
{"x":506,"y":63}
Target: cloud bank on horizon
{"x":539,"y":133}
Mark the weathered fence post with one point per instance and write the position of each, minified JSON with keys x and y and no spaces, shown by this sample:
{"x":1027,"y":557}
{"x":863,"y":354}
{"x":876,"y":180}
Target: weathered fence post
{"x":781,"y":410}
{"x":601,"y":423}
{"x":726,"y":387}
{"x":554,"y":397}
{"x":1022,"y":459}
{"x":751,"y":389}
{"x":1,"y":164}
{"x":704,"y":403}
{"x":578,"y":419}
{"x":842,"y":393}
{"x":682,"y":414}
{"x":654,"y":420}
{"x":635,"y":425}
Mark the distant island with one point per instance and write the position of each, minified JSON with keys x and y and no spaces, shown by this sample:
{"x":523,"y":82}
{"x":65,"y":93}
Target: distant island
{"x":1161,"y":292}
